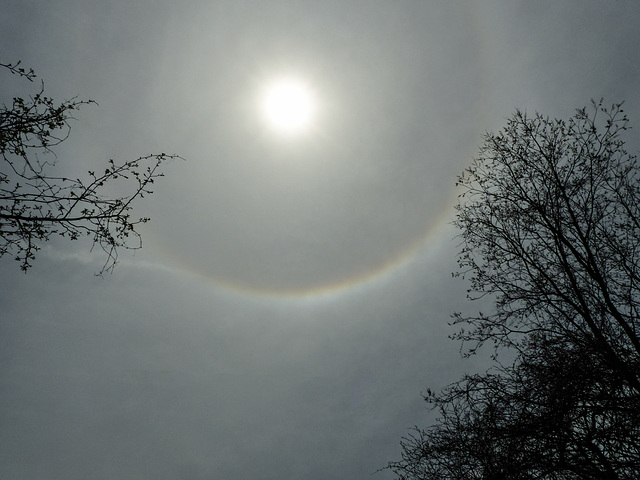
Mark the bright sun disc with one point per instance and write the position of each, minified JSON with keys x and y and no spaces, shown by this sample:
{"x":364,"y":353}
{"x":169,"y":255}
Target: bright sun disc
{"x":288,"y":106}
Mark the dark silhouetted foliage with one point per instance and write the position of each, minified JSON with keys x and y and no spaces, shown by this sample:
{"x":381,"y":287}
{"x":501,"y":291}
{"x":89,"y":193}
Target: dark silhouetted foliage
{"x":36,"y":205}
{"x":550,"y":228}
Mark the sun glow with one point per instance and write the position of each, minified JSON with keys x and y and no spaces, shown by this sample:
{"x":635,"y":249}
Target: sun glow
{"x":288,"y":106}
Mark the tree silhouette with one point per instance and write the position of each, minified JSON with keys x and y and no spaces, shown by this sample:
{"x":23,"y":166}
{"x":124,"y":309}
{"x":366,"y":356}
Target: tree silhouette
{"x":550,"y":228}
{"x":36,"y":205}
{"x":557,"y":413}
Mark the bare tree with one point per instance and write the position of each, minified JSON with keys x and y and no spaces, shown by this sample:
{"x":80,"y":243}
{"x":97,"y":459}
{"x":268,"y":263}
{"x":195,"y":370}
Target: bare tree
{"x":550,"y":228}
{"x":556,"y":413}
{"x":550,"y":222}
{"x":36,"y":204}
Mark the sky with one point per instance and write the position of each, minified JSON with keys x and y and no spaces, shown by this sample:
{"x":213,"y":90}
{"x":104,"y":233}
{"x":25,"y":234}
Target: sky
{"x":292,"y":298}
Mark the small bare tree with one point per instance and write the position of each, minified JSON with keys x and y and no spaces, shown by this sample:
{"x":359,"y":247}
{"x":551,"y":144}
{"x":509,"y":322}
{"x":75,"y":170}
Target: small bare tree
{"x":36,"y":204}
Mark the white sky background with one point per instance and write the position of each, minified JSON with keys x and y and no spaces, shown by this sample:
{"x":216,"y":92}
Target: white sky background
{"x":200,"y":357}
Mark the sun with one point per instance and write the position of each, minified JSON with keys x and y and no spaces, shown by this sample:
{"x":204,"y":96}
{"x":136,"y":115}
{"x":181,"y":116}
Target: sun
{"x":288,"y":106}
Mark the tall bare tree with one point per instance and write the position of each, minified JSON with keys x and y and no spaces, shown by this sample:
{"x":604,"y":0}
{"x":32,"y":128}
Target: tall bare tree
{"x":550,"y":227}
{"x":550,"y":222}
{"x":36,"y":204}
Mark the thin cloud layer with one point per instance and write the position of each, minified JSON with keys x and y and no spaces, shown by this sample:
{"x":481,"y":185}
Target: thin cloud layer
{"x":200,"y":357}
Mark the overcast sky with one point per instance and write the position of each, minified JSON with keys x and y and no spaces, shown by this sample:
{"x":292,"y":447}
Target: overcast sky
{"x":291,"y":300}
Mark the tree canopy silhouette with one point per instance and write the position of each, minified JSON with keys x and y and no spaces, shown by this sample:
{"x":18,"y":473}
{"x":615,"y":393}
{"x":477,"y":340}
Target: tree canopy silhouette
{"x":35,"y":204}
{"x":550,"y":228}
